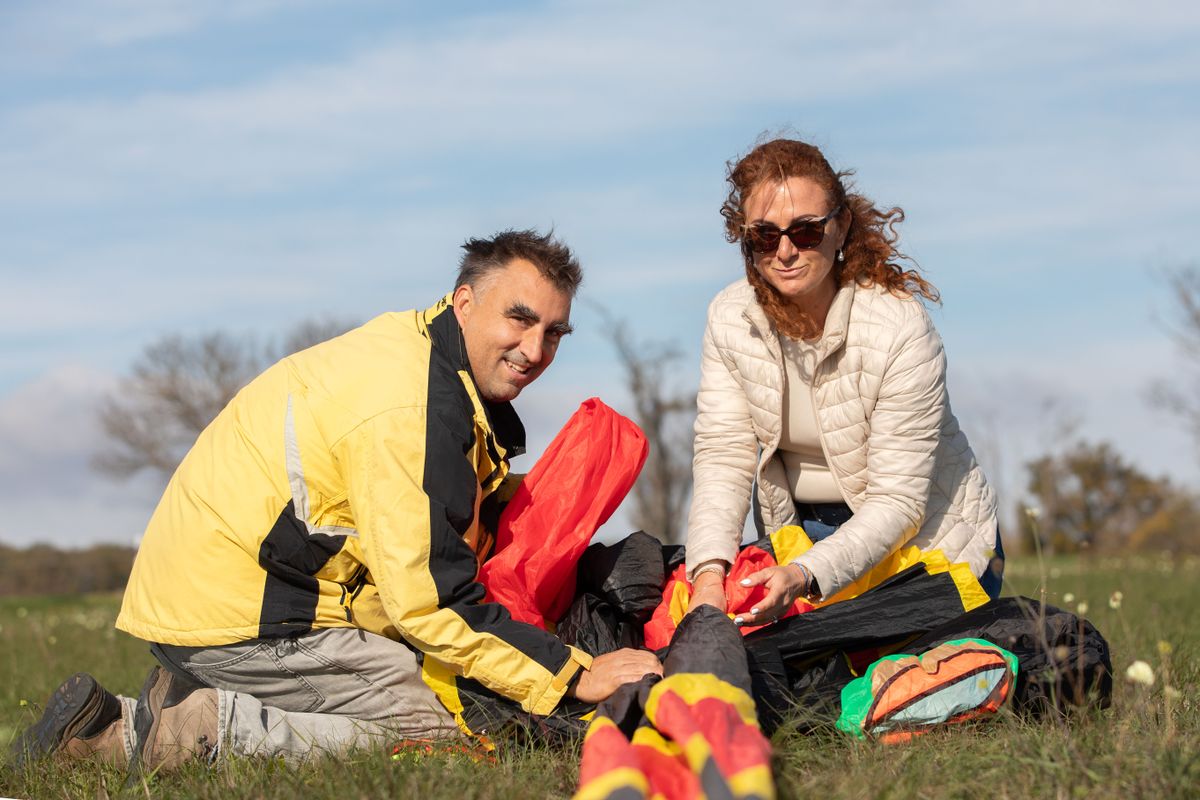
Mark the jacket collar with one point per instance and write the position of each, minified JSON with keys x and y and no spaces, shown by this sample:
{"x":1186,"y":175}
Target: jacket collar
{"x":446,"y":337}
{"x":837,"y":321}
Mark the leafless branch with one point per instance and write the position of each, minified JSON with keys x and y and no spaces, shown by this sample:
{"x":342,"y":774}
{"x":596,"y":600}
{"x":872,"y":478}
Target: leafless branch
{"x":177,"y":386}
{"x":666,"y":415}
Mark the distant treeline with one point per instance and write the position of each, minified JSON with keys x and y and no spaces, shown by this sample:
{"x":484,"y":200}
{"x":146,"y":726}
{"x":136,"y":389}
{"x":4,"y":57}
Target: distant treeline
{"x":43,"y":569}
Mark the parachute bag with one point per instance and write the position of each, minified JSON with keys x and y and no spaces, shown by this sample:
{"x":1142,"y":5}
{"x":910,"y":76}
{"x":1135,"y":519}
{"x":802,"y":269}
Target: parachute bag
{"x":571,"y":491}
{"x":904,"y":695}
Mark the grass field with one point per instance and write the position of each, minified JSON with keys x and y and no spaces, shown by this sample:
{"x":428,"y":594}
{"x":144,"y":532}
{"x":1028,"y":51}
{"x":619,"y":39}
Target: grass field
{"x":1146,"y":745}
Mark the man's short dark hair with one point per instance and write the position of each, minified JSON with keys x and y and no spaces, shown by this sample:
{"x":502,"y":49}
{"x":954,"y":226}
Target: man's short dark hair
{"x":552,"y":258}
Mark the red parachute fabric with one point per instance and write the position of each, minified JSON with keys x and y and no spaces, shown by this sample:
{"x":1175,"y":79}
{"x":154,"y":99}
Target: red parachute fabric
{"x":738,"y":599}
{"x":571,"y":491}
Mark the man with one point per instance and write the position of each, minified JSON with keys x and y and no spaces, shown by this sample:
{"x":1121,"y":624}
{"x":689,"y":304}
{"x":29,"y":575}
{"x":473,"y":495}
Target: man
{"x":322,"y":537}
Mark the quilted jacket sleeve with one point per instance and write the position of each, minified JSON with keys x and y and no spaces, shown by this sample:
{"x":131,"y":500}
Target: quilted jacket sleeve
{"x":726,"y":453}
{"x":905,"y":425}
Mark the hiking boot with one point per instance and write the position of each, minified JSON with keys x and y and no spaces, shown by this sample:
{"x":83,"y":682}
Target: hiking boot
{"x":175,"y":722}
{"x":82,"y":720}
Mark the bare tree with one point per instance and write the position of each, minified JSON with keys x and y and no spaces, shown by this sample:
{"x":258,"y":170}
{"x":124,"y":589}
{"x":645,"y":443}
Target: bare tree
{"x":177,"y":386}
{"x":666,"y":415}
{"x":1181,"y":396}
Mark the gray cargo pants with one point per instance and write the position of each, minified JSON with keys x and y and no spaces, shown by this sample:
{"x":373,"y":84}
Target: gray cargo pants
{"x":321,"y":693}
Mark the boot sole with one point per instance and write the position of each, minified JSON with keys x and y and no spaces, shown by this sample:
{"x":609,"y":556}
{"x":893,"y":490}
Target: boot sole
{"x":70,"y":708}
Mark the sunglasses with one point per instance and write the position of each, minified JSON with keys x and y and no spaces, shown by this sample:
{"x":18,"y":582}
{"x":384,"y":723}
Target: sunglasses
{"x":806,"y":235}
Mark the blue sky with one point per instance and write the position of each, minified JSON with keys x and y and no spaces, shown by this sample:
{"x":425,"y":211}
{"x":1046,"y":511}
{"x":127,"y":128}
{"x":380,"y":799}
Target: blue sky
{"x":187,"y":166}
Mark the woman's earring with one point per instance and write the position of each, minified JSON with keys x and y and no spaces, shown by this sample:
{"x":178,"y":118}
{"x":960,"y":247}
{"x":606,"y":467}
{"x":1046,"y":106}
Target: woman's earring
{"x":841,"y":255}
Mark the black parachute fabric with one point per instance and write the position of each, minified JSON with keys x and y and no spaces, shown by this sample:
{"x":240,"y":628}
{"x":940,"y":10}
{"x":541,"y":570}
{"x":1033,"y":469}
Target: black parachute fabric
{"x":618,"y":587}
{"x":803,"y":664}
{"x":497,"y":719}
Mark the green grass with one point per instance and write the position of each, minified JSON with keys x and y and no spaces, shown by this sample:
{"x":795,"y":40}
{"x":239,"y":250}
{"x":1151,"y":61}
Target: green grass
{"x":1146,"y":745}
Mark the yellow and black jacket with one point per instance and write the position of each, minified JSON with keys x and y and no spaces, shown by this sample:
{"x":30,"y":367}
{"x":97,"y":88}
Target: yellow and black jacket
{"x":345,"y":487}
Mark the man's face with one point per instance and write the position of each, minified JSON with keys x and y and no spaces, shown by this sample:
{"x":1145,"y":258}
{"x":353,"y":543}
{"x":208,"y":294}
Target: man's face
{"x":512,"y":321}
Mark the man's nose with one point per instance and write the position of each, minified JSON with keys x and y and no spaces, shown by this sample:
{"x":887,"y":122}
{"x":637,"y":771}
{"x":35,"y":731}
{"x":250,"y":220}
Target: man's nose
{"x":533,"y":346}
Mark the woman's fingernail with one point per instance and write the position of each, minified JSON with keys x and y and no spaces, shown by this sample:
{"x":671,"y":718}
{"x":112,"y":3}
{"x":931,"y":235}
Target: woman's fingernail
{"x":754,"y":611}
{"x":737,"y":620}
{"x":745,"y":581}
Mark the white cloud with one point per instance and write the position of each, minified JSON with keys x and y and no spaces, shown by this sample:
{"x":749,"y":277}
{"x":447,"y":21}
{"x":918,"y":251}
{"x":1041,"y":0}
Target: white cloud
{"x":48,"y":434}
{"x":55,"y":32}
{"x":584,"y":75}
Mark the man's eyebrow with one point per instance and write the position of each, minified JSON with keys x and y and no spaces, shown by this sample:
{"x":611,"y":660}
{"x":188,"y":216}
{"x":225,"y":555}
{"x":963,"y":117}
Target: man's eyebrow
{"x":522,"y":311}
{"x":519,"y":310}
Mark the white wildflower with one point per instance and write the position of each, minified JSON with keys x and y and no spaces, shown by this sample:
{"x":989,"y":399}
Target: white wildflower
{"x":1082,"y":608}
{"x":1069,"y":597}
{"x":1033,"y":512}
{"x":1140,"y":672}
{"x":1171,"y":693}
{"x":1114,"y":600}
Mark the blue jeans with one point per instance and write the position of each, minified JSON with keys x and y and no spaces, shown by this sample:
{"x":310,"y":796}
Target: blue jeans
{"x":820,"y":520}
{"x":993,"y":575}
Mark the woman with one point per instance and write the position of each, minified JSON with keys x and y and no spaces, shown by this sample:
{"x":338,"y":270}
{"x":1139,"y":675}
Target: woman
{"x":823,"y":390}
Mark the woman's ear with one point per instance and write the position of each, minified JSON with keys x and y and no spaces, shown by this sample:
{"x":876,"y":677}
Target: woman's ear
{"x":844,"y":219}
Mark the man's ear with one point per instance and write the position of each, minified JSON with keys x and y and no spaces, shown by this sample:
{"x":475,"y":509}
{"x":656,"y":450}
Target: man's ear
{"x":463,"y":302}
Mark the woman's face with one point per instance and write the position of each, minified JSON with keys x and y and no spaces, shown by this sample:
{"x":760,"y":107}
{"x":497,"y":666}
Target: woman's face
{"x":804,"y":277}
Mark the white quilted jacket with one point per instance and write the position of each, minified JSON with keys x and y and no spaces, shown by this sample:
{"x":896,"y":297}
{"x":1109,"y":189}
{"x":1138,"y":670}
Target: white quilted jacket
{"x":892,"y":443}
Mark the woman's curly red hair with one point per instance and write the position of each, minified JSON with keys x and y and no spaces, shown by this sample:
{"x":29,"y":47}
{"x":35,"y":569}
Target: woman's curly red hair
{"x":871,"y":255}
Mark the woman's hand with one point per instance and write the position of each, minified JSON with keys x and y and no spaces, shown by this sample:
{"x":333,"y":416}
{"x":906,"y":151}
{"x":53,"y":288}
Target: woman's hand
{"x":784,"y":584}
{"x":708,"y":589}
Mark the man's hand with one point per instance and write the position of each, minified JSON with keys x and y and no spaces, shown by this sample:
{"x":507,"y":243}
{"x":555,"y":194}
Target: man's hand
{"x":708,"y":589}
{"x":784,"y":584}
{"x":612,"y":670}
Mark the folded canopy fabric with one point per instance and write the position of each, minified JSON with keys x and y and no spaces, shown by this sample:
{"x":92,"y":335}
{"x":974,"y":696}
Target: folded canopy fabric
{"x":571,"y":491}
{"x":694,"y":733}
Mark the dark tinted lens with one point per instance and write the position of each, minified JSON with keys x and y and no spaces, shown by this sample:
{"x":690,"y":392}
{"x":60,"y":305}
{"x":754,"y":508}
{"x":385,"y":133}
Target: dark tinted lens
{"x":763,"y":238}
{"x":806,"y":235}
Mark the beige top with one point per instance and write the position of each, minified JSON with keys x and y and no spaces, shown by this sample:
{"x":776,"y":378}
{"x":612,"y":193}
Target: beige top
{"x":804,"y":461}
